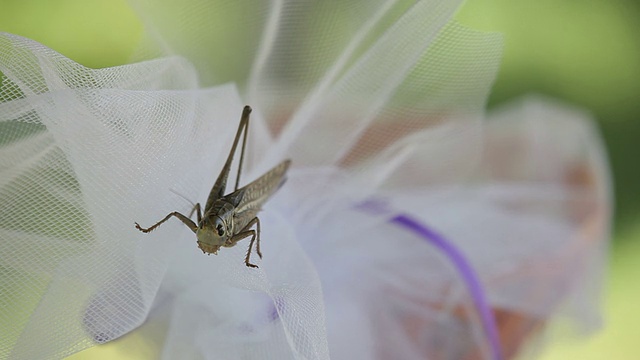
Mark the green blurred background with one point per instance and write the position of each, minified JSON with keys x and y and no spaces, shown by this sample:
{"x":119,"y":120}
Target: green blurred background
{"x":584,"y":52}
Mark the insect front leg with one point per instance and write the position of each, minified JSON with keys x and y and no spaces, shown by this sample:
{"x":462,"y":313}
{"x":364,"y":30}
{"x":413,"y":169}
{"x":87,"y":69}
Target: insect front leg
{"x":196,"y":209}
{"x":244,"y":233}
{"x":185,"y":220}
{"x":257,"y":221}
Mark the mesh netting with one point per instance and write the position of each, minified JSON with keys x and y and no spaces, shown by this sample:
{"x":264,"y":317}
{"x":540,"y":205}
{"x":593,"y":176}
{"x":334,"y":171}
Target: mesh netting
{"x":371,"y":100}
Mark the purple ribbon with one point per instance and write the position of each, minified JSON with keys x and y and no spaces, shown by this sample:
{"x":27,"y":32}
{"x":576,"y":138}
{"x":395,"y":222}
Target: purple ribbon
{"x":468,"y":275}
{"x":466,"y":272}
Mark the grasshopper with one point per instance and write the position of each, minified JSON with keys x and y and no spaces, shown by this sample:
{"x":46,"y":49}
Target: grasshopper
{"x":227,"y":219}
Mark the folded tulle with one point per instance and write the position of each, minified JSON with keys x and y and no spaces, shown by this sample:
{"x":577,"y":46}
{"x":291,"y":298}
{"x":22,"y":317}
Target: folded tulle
{"x":379,"y":113}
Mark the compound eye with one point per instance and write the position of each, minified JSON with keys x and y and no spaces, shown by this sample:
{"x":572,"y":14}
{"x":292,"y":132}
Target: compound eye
{"x":220,"y":230}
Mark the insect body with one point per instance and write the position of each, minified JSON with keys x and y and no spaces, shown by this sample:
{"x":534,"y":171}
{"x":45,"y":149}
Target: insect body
{"x":230,"y":218}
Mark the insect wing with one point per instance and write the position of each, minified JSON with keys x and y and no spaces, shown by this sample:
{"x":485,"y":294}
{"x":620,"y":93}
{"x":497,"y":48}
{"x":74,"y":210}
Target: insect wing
{"x":256,"y":193}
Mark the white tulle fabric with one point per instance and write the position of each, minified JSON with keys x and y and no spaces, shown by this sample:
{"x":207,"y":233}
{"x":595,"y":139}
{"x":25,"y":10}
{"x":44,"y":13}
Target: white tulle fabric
{"x":371,"y":100}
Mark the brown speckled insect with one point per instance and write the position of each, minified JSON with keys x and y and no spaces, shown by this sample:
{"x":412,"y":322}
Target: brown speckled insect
{"x":229,"y":218}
